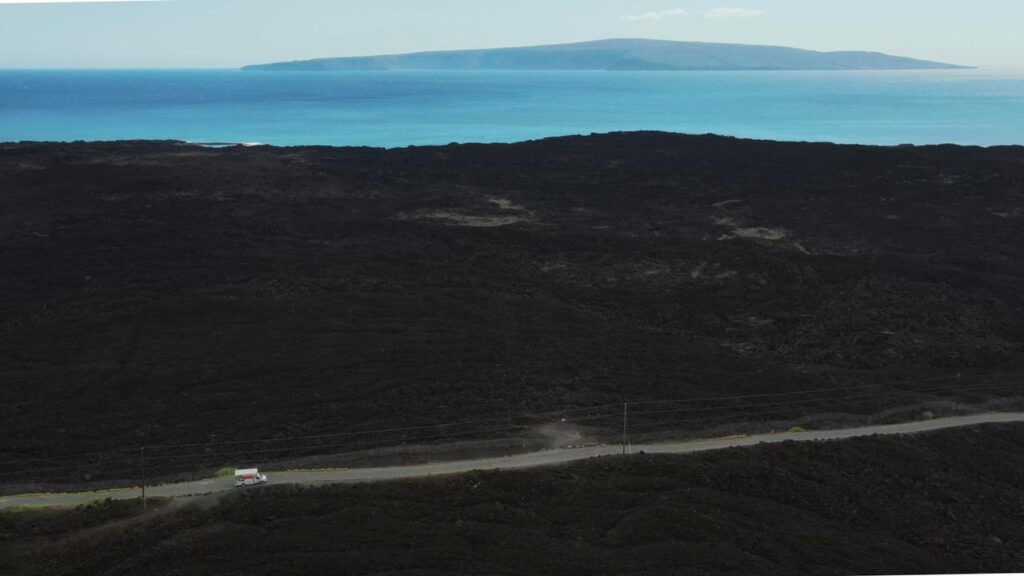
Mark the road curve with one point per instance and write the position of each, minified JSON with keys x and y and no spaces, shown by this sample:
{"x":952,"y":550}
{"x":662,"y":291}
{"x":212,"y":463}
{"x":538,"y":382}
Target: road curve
{"x":313,"y":478}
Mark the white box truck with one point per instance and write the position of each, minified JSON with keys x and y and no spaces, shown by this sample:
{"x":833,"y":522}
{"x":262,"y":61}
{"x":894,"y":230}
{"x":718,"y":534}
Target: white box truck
{"x":250,"y":477}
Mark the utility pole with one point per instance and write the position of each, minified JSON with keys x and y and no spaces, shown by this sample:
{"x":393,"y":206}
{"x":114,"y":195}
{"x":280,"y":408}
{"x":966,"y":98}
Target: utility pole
{"x":956,"y":402}
{"x":625,"y":427}
{"x":142,"y":459}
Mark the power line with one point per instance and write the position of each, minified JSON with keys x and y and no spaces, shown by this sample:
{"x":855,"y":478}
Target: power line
{"x":737,"y":412}
{"x":322,"y":436}
{"x":547,"y":414}
{"x":888,"y":395}
{"x":364,"y":446}
{"x":880,"y":394}
{"x":802,"y":392}
{"x":512,"y":418}
{"x":727,"y":417}
{"x":389,"y":430}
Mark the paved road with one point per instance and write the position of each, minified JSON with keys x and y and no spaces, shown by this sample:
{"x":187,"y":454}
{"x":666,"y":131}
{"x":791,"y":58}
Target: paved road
{"x":521,"y":461}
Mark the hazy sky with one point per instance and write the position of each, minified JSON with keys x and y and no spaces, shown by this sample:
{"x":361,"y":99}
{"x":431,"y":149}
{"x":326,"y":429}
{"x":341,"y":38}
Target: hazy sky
{"x":228,"y":33}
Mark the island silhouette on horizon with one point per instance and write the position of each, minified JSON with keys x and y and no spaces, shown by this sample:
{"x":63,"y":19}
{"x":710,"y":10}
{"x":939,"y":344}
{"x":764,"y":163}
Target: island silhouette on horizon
{"x":629,"y":54}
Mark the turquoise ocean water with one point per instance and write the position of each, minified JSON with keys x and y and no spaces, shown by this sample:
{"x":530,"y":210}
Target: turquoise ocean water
{"x":983,"y":106}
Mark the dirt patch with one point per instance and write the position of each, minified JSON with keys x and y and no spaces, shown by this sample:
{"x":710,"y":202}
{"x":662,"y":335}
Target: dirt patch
{"x":738,"y":230}
{"x":506,"y":204}
{"x":469,"y":220}
{"x":725,"y":203}
{"x":508,"y":214}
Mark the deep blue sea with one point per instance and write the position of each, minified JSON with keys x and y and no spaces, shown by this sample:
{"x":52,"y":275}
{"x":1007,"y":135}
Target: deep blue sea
{"x":983,"y":106}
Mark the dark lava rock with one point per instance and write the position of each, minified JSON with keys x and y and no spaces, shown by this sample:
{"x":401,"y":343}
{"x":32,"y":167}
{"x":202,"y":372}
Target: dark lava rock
{"x":946,"y":502}
{"x":161,"y":293}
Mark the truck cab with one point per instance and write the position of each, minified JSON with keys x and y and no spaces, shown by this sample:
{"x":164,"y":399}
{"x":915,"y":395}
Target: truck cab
{"x":250,"y":477}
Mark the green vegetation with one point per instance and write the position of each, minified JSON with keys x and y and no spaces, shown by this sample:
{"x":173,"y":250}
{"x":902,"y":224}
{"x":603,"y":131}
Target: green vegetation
{"x":797,"y":430}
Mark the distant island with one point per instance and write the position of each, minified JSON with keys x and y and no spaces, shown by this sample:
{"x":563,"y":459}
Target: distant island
{"x":618,"y":54}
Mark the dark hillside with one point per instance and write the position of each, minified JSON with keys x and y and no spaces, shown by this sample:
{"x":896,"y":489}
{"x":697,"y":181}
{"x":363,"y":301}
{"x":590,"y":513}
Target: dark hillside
{"x":942,"y":503}
{"x":161,"y":293}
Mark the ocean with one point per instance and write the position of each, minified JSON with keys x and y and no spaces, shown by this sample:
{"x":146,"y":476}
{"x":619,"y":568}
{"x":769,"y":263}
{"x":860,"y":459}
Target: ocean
{"x":392,"y":109}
